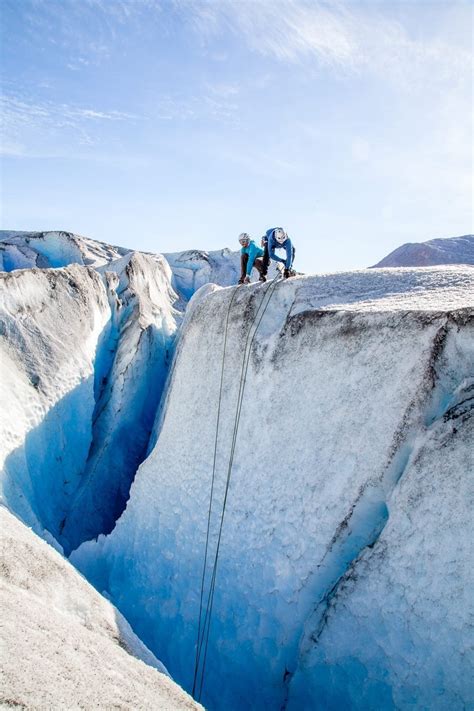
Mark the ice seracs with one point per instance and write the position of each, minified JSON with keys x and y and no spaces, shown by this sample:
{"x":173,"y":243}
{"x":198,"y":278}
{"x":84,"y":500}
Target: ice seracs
{"x":22,"y":250}
{"x":190,"y":269}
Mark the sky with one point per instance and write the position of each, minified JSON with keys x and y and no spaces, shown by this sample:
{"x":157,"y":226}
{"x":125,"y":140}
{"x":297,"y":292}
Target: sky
{"x":166,"y":125}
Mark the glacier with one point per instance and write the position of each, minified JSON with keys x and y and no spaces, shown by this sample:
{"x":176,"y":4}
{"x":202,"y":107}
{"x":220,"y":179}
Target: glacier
{"x":355,"y":383}
{"x":84,"y":360}
{"x":26,"y":250}
{"x":344,"y":571}
{"x":85,"y":366}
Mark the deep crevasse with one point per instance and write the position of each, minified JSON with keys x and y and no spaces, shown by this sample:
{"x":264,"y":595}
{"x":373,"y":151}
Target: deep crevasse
{"x":352,"y":467}
{"x":85,"y":362}
{"x":336,"y":410}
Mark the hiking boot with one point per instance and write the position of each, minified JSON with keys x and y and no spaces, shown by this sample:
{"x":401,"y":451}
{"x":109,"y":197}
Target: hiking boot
{"x":262,"y":278}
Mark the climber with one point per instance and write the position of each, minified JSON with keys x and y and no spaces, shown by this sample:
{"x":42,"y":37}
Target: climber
{"x":276,"y":238}
{"x":250,"y":256}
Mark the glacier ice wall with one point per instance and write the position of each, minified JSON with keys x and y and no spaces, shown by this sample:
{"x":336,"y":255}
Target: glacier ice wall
{"x":84,"y":362}
{"x":50,"y":323}
{"x":354,"y":433}
{"x":130,"y":372}
{"x":81,"y":436}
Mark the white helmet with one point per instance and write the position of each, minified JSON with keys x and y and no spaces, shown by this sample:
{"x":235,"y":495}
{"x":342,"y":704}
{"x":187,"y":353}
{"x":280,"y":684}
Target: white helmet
{"x":244,"y":238}
{"x":280,"y":235}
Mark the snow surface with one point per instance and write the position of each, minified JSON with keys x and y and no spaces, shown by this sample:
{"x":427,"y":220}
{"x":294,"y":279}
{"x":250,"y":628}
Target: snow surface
{"x":351,"y":491}
{"x":453,"y":250}
{"x":63,"y":645}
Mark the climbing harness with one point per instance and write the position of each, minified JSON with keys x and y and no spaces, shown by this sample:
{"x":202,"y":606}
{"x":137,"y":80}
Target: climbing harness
{"x":204,"y":627}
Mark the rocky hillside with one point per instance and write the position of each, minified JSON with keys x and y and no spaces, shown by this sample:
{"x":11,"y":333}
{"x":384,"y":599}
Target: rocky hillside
{"x":454,"y":250}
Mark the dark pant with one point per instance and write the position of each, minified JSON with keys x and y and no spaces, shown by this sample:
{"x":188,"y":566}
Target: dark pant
{"x":266,"y":257}
{"x":258,"y":264}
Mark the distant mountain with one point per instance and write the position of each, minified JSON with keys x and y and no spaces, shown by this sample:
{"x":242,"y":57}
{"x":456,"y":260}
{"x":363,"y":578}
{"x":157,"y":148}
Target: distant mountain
{"x":454,"y":250}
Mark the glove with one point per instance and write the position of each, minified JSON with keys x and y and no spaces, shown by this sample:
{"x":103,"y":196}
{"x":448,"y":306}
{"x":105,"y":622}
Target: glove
{"x":280,"y":267}
{"x":247,"y":280}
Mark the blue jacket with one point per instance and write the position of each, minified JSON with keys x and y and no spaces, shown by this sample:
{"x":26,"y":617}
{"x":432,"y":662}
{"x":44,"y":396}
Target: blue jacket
{"x":253,"y":251}
{"x":286,"y":245}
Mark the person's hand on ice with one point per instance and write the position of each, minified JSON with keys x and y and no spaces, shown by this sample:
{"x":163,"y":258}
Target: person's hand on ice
{"x":247,"y":280}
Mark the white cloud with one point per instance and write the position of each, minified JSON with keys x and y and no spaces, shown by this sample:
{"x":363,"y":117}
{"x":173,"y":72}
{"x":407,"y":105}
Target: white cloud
{"x":348,"y":37}
{"x":28,"y":126}
{"x":101,"y":115}
{"x":224,"y":90}
{"x":343,"y":36}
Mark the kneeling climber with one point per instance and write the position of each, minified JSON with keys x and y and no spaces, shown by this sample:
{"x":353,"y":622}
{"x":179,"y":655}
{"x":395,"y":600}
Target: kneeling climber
{"x":276,"y":238}
{"x":250,"y":256}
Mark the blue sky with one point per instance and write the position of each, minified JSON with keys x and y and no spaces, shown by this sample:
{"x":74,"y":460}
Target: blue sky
{"x":173,"y":124}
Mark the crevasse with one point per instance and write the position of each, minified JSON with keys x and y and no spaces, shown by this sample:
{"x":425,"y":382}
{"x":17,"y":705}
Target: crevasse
{"x":333,"y":425}
{"x":343,"y":550}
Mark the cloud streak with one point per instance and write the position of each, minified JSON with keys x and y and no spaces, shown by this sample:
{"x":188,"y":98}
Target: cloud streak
{"x":341,"y":36}
{"x":335,"y":35}
{"x":22,"y":117}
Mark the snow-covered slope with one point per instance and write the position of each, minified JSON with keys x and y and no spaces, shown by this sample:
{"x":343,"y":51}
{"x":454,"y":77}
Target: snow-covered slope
{"x":344,"y":567}
{"x":454,"y":250}
{"x":63,"y":645}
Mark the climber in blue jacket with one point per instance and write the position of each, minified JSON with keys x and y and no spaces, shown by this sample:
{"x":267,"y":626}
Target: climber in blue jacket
{"x":250,"y":256}
{"x":276,"y":238}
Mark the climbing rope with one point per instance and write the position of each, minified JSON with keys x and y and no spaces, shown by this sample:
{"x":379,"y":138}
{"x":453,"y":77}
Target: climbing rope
{"x":196,"y":664}
{"x":204,"y":627}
